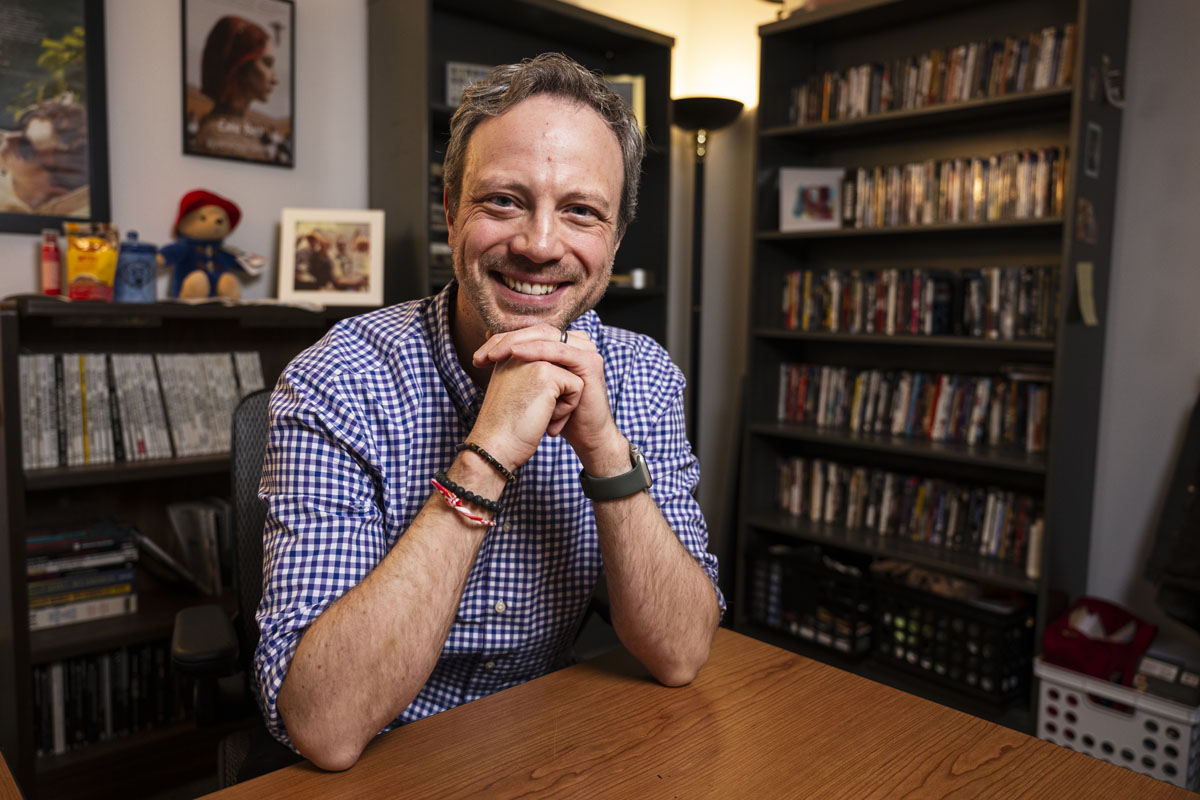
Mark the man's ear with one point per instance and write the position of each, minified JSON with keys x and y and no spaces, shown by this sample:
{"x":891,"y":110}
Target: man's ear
{"x":449,"y":211}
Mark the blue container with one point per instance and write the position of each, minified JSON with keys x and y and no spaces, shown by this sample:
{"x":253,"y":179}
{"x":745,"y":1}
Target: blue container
{"x":135,"y":281}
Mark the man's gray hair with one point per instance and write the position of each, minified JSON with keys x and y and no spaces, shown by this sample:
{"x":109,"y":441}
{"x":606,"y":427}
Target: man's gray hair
{"x":553,"y":74}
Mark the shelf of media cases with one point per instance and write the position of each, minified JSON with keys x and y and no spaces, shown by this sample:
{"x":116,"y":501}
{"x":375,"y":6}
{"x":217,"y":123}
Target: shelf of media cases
{"x":1018,"y":717}
{"x":966,"y":565}
{"x":154,"y":619}
{"x":1005,"y":458}
{"x":982,"y":113}
{"x":125,"y":472}
{"x":938,"y":229}
{"x":1025,"y":346}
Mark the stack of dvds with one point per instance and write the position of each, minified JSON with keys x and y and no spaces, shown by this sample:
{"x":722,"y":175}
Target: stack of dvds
{"x":80,"y":575}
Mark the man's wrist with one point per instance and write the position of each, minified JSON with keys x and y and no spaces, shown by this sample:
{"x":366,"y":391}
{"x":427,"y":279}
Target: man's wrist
{"x":608,"y":460}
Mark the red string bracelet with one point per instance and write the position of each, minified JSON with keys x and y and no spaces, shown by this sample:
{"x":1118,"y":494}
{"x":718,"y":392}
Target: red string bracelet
{"x":455,"y":502}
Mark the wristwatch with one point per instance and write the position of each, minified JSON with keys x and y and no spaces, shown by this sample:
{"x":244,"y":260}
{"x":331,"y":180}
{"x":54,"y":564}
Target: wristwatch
{"x":636,"y":480}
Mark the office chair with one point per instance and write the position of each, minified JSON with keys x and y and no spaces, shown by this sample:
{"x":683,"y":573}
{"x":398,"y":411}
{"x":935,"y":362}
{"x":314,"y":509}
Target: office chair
{"x":206,"y":645}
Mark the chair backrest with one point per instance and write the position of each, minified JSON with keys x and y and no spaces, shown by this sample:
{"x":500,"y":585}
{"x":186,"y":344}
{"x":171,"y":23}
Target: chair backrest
{"x":248,"y":446}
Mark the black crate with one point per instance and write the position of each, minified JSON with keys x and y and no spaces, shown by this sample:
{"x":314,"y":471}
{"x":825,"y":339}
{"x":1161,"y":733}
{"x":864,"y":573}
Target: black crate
{"x":982,"y":652}
{"x":799,"y":591}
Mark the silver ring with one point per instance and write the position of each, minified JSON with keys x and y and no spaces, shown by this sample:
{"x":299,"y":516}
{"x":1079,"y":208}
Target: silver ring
{"x":564,"y":337}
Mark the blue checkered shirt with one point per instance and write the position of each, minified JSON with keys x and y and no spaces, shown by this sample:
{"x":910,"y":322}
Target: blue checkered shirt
{"x":359,"y":424}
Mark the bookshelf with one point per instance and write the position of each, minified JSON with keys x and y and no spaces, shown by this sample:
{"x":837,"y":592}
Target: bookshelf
{"x":133,"y":492}
{"x":409,"y":46}
{"x":1058,"y":477}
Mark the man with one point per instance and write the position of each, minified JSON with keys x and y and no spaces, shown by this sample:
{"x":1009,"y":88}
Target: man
{"x":389,"y":596}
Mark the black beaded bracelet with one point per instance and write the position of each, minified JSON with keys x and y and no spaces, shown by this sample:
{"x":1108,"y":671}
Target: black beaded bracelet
{"x":465,"y":494}
{"x":489,"y":458}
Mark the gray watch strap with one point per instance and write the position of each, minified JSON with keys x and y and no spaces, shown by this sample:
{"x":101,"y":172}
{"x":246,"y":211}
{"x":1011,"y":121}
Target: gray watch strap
{"x":636,"y":480}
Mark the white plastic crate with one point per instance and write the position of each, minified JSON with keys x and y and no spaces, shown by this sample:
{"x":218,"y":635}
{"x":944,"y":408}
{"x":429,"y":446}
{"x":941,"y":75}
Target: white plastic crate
{"x":1147,"y":734}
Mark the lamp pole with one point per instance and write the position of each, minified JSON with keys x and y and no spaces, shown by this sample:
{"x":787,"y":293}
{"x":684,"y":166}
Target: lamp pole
{"x":700,"y":115}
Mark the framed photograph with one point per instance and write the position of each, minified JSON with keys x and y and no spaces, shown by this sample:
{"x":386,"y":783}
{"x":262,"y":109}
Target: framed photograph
{"x":331,"y":256}
{"x":238,"y":80}
{"x":460,"y":75}
{"x":809,"y":198}
{"x":53,"y":117}
{"x":632,"y":89}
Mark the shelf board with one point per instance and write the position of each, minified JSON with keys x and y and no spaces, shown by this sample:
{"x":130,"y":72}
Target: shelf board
{"x":966,"y":565}
{"x":984,"y":109}
{"x":154,"y":619}
{"x":1018,"y":716}
{"x":940,"y":228}
{"x":97,"y":314}
{"x":851,"y":17}
{"x":908,"y":340}
{"x":125,"y":472}
{"x":993,"y":457}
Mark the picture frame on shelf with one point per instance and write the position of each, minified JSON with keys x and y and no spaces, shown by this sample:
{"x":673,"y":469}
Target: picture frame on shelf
{"x":631,"y":89}
{"x":53,"y":82}
{"x":331,"y":257}
{"x":810,"y":198}
{"x":460,"y":75}
{"x":238,"y":94}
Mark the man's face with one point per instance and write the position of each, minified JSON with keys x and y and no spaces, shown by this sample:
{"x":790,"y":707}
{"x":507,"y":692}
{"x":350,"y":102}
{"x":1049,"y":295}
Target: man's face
{"x":534,"y":234}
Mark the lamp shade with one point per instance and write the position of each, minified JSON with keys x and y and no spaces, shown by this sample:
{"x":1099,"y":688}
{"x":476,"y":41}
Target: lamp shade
{"x":710,"y":113}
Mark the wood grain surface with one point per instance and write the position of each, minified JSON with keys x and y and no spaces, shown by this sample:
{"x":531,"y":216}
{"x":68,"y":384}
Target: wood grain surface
{"x":759,"y":722}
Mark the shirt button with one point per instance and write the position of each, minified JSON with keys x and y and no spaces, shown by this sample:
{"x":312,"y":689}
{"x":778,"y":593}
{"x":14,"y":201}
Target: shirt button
{"x":506,"y":527}
{"x":501,"y":606}
{"x":490,"y":665}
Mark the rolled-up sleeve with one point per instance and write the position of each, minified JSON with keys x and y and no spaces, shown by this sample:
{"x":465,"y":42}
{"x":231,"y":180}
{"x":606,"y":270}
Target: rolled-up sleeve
{"x":325,"y":530}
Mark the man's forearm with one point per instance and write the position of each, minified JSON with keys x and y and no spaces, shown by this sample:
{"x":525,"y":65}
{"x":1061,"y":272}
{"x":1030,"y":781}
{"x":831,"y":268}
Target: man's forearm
{"x":366,"y":658}
{"x":663,"y":605}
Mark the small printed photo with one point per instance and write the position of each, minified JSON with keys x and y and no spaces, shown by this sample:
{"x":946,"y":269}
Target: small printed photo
{"x":331,"y":257}
{"x":1085,"y":221}
{"x":809,"y":199}
{"x":1091,"y":150}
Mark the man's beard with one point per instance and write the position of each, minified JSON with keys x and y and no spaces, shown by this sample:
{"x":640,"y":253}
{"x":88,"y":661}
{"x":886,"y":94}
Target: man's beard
{"x":475,"y":286}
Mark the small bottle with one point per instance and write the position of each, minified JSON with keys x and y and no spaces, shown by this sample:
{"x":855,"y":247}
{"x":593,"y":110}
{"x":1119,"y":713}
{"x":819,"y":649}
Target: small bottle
{"x":51,"y":263}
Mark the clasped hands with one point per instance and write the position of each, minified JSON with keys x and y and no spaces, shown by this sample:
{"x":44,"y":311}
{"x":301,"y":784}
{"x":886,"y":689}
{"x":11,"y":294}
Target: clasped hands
{"x":539,"y":385}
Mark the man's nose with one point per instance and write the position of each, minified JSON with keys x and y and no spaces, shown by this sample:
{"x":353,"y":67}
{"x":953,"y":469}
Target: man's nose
{"x":540,"y":239}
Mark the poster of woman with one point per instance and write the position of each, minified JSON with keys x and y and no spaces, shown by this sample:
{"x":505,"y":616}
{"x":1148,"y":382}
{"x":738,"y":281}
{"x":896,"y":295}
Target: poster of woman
{"x":238,"y":67}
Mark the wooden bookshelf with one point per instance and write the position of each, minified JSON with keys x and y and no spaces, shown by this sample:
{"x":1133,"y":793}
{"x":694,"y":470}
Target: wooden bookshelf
{"x":838,"y":37}
{"x":134,"y":493}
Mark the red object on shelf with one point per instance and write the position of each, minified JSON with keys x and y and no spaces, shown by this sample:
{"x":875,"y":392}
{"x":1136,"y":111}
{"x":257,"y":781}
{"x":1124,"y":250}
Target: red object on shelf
{"x":1064,"y":646}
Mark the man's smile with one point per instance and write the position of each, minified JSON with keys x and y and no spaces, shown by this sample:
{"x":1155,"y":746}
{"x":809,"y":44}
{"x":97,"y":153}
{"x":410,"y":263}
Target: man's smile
{"x":528,"y":287}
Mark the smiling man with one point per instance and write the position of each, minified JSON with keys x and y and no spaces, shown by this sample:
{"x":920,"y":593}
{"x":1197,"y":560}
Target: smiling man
{"x":448,"y":478}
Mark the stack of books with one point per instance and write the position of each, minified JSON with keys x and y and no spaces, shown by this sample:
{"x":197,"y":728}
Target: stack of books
{"x":80,"y":575}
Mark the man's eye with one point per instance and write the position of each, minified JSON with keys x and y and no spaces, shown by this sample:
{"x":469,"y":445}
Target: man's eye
{"x":582,"y":211}
{"x":502,"y":201}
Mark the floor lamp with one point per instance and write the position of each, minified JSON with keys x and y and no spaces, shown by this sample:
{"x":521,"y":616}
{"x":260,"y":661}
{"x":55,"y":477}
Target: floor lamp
{"x":700,"y":115}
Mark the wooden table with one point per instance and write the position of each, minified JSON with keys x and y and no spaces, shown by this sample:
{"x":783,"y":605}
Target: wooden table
{"x":759,"y":722}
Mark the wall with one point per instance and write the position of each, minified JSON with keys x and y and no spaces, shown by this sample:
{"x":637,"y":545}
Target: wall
{"x":1152,"y":356}
{"x":150,"y":173}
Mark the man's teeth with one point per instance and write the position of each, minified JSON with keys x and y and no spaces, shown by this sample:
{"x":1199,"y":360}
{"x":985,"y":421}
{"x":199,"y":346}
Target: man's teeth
{"x":524,"y":287}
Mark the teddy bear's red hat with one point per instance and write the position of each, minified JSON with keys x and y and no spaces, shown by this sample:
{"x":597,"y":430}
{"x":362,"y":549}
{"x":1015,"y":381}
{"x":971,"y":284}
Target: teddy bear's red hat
{"x":202,"y":197}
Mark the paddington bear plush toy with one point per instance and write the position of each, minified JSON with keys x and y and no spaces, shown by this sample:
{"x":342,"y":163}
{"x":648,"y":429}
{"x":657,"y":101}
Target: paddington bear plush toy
{"x":200,"y":265}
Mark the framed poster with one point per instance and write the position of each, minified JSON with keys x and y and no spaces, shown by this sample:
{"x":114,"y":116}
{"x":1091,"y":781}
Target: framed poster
{"x":53,"y":117}
{"x":238,"y":80}
{"x":333,"y":257}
